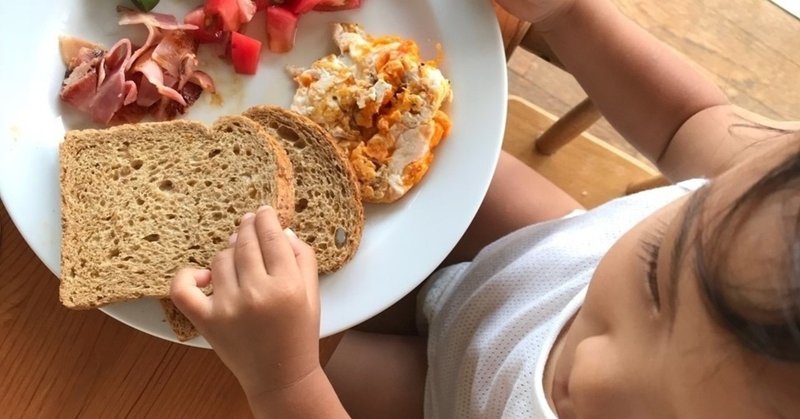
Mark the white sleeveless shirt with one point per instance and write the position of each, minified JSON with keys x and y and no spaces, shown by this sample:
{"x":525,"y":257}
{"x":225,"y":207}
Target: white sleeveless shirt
{"x":492,"y":322}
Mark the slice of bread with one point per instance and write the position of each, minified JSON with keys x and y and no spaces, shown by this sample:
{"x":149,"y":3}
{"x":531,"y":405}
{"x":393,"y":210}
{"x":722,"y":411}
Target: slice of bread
{"x":138,"y":202}
{"x":180,"y":324}
{"x":328,"y":214}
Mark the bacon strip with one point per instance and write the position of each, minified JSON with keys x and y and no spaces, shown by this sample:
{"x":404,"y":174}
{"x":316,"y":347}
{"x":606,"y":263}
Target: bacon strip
{"x":156,"y":20}
{"x":155,"y":75}
{"x":115,"y":60}
{"x":80,"y":87}
{"x":204,"y":81}
{"x":176,"y":55}
{"x":71,"y":49}
{"x":159,"y":77}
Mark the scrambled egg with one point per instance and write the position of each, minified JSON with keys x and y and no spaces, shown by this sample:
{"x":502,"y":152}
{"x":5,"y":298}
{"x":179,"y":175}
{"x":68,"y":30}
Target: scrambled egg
{"x":382,"y":105}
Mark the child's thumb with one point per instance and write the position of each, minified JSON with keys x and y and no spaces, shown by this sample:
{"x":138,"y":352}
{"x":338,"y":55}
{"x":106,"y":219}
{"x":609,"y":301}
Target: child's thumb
{"x":187,"y":294}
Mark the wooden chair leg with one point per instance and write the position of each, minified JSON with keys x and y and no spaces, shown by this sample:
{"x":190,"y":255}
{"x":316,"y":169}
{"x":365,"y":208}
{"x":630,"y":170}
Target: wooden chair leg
{"x":653,"y":182}
{"x":566,"y":128}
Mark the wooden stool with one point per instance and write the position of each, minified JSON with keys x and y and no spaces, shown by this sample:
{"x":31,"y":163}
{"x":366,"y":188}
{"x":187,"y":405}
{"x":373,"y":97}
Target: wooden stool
{"x":587,"y":168}
{"x":560,"y":131}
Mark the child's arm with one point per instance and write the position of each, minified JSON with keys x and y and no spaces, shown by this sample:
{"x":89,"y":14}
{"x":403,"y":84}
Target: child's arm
{"x":263,"y":318}
{"x":646,"y":91}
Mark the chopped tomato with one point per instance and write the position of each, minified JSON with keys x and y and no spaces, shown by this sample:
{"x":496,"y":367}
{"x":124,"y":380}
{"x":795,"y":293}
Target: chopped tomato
{"x":245,"y":53}
{"x":281,"y":29}
{"x":226,"y":11}
{"x":300,"y":7}
{"x":334,"y":5}
{"x":207,"y":33}
{"x":262,"y":4}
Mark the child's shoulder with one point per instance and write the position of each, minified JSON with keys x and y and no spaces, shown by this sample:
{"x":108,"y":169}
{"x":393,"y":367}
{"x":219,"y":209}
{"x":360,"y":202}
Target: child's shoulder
{"x":716,"y":139}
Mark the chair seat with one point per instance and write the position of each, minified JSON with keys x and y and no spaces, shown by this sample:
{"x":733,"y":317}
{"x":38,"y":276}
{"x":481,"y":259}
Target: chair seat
{"x":587,"y":168}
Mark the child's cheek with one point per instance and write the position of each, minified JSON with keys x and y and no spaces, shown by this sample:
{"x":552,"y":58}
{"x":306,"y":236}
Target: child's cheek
{"x":598,"y":386}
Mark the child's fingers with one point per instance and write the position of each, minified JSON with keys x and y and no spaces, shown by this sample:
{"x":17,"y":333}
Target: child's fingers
{"x":203,"y":277}
{"x":275,"y":248}
{"x":306,"y":261}
{"x":247,"y":253}
{"x":223,"y":274}
{"x":185,"y":292}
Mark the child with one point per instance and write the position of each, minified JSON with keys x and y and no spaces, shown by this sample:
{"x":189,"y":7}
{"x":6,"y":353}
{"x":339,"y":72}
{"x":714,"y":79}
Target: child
{"x":681,"y":301}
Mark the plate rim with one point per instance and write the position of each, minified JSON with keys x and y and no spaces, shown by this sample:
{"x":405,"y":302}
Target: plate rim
{"x":496,"y":47}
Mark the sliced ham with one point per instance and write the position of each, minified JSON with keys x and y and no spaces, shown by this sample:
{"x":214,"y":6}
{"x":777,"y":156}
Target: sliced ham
{"x":168,"y":49}
{"x":156,"y":20}
{"x":155,"y":23}
{"x":87,"y":55}
{"x":168,"y":109}
{"x":80,"y":87}
{"x":130,"y":114}
{"x":113,"y":90}
{"x":125,"y":83}
{"x":177,"y":55}
{"x":80,"y":82}
{"x":110,"y":98}
{"x":131,"y":92}
{"x":71,"y":48}
{"x":115,"y":60}
{"x":204,"y":81}
{"x":148,"y":93}
{"x":155,"y":75}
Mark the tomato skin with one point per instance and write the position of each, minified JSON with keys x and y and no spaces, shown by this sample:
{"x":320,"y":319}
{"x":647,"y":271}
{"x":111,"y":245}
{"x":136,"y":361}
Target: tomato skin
{"x":281,"y":29}
{"x":226,"y":11}
{"x":245,"y":53}
{"x":209,"y":31}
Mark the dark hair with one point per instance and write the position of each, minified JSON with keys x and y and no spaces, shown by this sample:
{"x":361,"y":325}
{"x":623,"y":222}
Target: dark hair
{"x":767,"y":319}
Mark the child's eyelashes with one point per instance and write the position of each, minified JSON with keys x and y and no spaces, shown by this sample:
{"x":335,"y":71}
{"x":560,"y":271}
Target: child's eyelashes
{"x":651,"y":245}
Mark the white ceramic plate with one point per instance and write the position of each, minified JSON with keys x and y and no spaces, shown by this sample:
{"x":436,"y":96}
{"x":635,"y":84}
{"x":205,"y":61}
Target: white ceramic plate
{"x":402,"y":243}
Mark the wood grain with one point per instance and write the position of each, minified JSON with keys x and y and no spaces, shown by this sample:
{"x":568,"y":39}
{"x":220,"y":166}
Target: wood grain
{"x":750,"y":48}
{"x":587,"y":168}
{"x":56,"y":362}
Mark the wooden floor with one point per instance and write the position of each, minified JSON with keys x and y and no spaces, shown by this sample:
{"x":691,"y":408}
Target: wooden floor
{"x":750,"y":48}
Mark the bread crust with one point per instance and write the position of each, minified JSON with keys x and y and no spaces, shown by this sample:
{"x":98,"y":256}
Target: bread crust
{"x":305,"y":140}
{"x":140,"y":201}
{"x":306,"y":143}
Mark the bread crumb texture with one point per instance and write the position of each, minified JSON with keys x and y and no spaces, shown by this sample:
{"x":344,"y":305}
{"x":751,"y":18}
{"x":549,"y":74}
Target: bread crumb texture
{"x":328,"y":212}
{"x":141,"y":201}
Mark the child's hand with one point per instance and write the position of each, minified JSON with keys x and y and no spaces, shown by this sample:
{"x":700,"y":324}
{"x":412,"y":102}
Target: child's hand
{"x":263,"y":317}
{"x":539,"y":12}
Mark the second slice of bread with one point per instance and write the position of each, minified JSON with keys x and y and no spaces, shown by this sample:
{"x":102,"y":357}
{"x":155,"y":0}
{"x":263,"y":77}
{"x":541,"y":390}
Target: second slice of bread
{"x":329,"y":215}
{"x":141,"y":201}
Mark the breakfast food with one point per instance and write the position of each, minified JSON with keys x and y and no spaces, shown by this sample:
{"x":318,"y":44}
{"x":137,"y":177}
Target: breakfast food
{"x":141,"y":201}
{"x":328,"y":213}
{"x":125,"y":83}
{"x":178,"y":322}
{"x":383,"y":106}
{"x":221,"y":23}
